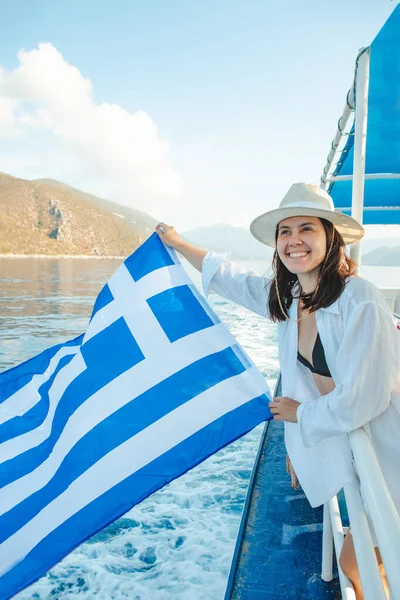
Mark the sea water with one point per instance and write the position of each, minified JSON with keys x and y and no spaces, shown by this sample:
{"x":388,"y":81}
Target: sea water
{"x":179,"y":542}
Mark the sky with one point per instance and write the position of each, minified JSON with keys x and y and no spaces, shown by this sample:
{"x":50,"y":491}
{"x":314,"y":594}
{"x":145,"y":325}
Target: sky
{"x":195,"y":112}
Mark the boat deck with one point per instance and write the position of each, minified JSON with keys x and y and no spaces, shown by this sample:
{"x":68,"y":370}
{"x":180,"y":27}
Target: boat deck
{"x":278,"y":550}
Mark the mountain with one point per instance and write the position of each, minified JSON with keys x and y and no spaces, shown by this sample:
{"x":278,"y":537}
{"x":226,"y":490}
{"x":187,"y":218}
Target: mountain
{"x":137,"y":217}
{"x":385,"y":256}
{"x":47,"y":217}
{"x":368,"y":245}
{"x":222,"y":237}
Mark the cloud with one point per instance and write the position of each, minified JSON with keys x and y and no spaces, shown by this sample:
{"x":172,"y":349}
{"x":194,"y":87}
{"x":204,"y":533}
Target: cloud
{"x":48,"y":101}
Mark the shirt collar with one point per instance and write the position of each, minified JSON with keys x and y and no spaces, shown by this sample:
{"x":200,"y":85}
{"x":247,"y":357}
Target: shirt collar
{"x":333,"y":308}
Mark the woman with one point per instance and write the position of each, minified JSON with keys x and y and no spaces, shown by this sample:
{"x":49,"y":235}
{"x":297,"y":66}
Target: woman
{"x":338,"y":344}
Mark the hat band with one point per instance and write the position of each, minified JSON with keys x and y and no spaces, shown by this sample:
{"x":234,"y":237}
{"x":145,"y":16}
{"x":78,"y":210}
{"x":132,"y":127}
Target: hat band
{"x":303,"y":204}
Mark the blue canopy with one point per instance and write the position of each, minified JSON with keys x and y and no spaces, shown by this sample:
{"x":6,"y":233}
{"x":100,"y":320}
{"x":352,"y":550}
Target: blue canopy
{"x":381,"y":196}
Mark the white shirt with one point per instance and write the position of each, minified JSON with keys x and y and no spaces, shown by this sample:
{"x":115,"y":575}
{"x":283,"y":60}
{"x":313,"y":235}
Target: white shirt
{"x":362,"y":351}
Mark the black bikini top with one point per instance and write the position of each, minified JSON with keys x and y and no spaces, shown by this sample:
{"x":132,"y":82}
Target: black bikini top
{"x":318,"y":357}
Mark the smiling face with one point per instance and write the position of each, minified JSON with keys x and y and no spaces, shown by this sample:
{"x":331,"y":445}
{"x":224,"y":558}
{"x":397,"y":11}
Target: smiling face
{"x":301,"y":244}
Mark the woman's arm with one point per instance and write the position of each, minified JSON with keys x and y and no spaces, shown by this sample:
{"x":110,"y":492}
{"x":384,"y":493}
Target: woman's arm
{"x":226,"y":278}
{"x":171,"y":238}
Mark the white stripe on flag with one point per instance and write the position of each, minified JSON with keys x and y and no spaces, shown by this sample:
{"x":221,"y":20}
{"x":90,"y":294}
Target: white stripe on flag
{"x":130,"y":300}
{"x":161,"y":280}
{"x":129,"y":457}
{"x":24,"y":399}
{"x":123,"y":389}
{"x":18,"y":445}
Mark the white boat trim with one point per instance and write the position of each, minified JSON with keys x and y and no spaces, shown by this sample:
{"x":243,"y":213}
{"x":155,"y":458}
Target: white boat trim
{"x":366,"y":176}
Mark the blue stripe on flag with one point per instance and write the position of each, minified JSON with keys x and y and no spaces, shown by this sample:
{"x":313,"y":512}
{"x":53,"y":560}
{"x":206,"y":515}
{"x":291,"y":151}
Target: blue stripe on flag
{"x":103,"y":367}
{"x":203,"y":302}
{"x":104,"y":298}
{"x":122,"y":497}
{"x":178,"y":312}
{"x":130,"y":419}
{"x":37,"y":414}
{"x":15,"y":378}
{"x":246,"y":360}
{"x":151,"y":255}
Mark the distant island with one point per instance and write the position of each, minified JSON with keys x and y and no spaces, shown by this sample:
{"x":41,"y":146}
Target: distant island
{"x":50,"y":218}
{"x":383,"y":257}
{"x":222,"y":237}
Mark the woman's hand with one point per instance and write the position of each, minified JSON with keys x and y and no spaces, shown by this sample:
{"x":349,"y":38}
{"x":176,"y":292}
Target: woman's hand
{"x":284,"y":409}
{"x":171,"y":238}
{"x":168,"y":235}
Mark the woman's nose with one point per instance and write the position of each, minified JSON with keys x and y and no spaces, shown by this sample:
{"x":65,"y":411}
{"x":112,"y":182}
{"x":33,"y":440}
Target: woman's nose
{"x":295,"y":240}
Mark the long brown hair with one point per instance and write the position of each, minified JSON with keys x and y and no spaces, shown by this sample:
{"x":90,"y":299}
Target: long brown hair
{"x":331,"y":281}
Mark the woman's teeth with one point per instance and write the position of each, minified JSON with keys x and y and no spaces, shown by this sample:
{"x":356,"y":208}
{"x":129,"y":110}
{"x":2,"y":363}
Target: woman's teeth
{"x":297,"y":254}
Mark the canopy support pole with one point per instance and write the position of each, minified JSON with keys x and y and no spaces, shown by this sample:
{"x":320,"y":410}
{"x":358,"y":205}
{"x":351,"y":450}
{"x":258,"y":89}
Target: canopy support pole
{"x":360,"y":139}
{"x":341,"y":134}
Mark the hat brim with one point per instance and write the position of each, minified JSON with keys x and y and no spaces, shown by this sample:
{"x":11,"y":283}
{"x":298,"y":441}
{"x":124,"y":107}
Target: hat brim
{"x":264,"y":227}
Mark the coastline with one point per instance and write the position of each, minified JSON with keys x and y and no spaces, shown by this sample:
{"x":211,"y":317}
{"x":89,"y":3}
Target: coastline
{"x":85,"y":256}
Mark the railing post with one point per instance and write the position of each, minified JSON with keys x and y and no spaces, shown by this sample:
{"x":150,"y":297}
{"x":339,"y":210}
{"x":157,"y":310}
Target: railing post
{"x":338,"y":537}
{"x":327,"y":546}
{"x":360,"y":140}
{"x":370,"y":576}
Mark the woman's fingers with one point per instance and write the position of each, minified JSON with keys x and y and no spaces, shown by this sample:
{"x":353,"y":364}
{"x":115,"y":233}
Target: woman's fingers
{"x":275,"y":403}
{"x":275,"y":410}
{"x":284,"y":409}
{"x":162,"y":228}
{"x":167,"y":234}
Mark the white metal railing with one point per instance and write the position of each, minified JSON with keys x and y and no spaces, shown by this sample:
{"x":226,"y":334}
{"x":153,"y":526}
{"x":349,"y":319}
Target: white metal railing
{"x":385,"y":521}
{"x":383,"y":514}
{"x":392,"y":296}
{"x":333,"y":536}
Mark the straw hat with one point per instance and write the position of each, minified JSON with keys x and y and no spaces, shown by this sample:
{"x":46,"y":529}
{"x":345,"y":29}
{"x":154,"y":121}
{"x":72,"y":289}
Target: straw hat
{"x":308,"y":200}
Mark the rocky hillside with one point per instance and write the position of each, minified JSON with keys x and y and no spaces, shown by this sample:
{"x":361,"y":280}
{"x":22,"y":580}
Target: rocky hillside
{"x":50,"y":218}
{"x":138,"y":218}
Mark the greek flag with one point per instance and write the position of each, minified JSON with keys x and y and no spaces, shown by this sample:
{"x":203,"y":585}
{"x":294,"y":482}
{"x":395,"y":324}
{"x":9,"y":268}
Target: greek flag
{"x":91,"y":427}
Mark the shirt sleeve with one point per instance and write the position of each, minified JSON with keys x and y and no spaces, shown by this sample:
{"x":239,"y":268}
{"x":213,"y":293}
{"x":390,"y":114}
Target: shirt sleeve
{"x":230,"y":280}
{"x":368,"y":362}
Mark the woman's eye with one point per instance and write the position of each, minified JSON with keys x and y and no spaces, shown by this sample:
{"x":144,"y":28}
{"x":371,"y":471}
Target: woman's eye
{"x":307,"y":229}
{"x":284,"y":231}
